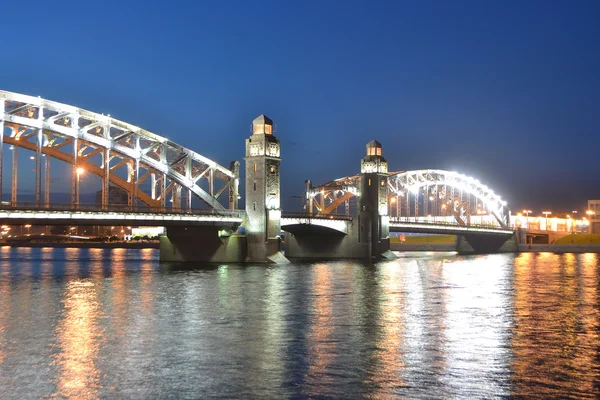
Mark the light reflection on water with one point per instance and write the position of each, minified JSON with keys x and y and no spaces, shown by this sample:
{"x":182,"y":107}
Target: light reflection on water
{"x":88,"y":323}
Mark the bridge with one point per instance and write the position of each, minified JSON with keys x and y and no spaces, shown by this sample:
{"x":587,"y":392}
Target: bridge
{"x":196,"y":199}
{"x":117,"y":215}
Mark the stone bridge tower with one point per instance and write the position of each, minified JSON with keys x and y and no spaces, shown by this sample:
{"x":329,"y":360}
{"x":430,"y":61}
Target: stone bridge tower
{"x":374,"y":221}
{"x":263,"y":209}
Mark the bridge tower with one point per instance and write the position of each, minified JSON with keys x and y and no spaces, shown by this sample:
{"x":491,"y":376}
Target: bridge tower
{"x":374,"y":224}
{"x":263,"y":210}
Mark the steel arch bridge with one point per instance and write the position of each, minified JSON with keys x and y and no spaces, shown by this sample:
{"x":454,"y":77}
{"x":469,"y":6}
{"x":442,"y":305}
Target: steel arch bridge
{"x":419,"y":196}
{"x":155,"y":172}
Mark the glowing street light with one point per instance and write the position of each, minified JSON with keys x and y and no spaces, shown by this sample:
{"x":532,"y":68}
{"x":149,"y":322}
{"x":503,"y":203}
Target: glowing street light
{"x":526,"y":212}
{"x":79,"y":171}
{"x":546,"y":213}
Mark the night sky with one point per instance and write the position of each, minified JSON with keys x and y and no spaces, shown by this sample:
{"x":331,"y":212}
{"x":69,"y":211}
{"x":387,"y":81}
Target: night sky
{"x":507,"y":92}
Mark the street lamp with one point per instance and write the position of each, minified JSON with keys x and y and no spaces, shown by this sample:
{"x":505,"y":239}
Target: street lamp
{"x":28,"y":226}
{"x":527,"y":212}
{"x":591,"y":214}
{"x":79,"y":171}
{"x":546,"y":213}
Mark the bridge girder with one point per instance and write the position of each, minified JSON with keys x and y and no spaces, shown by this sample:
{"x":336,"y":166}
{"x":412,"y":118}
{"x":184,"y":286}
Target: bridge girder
{"x":63,"y":125}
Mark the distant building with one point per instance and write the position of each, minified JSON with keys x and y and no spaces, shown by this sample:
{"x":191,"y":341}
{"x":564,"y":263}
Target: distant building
{"x":594,"y":215}
{"x":116,"y":196}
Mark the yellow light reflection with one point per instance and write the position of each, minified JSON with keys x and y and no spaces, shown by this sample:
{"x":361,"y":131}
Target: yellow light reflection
{"x":147,"y":271}
{"x":555,"y":332}
{"x":321,"y":349}
{"x":393,"y":309}
{"x":477,"y":324}
{"x":79,"y":340}
{"x":4,"y":314}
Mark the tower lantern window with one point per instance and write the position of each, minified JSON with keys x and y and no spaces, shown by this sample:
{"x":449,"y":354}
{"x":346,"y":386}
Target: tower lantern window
{"x":262,"y":125}
{"x":374,"y":148}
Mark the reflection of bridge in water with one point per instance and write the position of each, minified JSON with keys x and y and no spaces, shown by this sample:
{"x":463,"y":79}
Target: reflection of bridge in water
{"x":172,"y":186}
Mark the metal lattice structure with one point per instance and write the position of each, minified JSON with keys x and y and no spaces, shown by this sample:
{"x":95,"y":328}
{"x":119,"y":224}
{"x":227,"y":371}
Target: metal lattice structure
{"x":155,"y":172}
{"x":420,"y":194}
{"x":328,"y":197}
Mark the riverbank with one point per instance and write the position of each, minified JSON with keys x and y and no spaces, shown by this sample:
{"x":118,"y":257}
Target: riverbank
{"x":560,"y":248}
{"x":88,"y":245}
{"x":523,"y":248}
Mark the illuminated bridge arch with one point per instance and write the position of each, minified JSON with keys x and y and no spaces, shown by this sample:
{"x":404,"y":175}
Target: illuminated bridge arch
{"x":419,"y":193}
{"x":152,"y":169}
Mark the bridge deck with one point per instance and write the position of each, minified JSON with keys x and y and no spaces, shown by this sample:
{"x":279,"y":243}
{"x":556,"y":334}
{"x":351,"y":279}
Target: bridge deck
{"x":17,"y":216}
{"x":448,"y":229}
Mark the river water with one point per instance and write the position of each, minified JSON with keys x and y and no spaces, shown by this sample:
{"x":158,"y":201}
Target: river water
{"x":115,"y":323}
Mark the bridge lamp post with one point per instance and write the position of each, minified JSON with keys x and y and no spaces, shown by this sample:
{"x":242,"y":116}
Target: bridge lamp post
{"x":526,"y":212}
{"x":546,"y":213}
{"x":79,"y":172}
{"x":590,"y":214}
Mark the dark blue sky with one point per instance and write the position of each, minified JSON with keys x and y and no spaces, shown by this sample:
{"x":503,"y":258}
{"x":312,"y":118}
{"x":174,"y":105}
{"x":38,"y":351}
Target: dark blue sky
{"x":508,"y":92}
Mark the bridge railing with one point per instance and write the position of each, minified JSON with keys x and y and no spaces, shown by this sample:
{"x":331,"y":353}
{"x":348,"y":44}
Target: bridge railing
{"x":309,"y":216}
{"x":115,"y":208}
{"x":441,"y":221}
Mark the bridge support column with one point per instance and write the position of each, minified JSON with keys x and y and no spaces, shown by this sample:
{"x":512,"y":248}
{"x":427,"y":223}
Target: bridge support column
{"x":234,"y":194}
{"x":203,"y":244}
{"x":47,"y":182}
{"x":374,"y":223}
{"x":486,"y":244}
{"x":308,"y":203}
{"x":75,"y":176}
{"x":38,"y":167}
{"x":1,"y":143}
{"x":263,"y":210}
{"x":106,"y":179}
{"x":15,"y":175}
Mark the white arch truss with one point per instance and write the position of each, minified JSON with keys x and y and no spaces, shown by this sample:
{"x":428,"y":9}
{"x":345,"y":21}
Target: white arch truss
{"x":448,"y":190}
{"x":46,"y":126}
{"x":405,"y":183}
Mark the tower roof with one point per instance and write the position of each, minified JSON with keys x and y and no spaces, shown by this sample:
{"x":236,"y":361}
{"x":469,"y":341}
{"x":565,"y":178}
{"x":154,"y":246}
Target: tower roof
{"x":262,"y":119}
{"x":373,"y":143}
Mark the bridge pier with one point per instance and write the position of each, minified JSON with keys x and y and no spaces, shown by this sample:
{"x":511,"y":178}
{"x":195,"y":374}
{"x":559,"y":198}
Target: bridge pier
{"x":373,"y":219}
{"x":202,"y":244}
{"x":486,"y":244}
{"x":263,"y":193}
{"x":366,"y":236}
{"x":312,"y":240}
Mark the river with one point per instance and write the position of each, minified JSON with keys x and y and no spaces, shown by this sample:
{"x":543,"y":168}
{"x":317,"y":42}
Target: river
{"x":115,"y":323}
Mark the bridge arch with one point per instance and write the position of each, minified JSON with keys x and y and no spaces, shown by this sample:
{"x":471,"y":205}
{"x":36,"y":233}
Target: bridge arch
{"x":418,"y":193}
{"x":449,"y":188}
{"x":104,"y":146}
